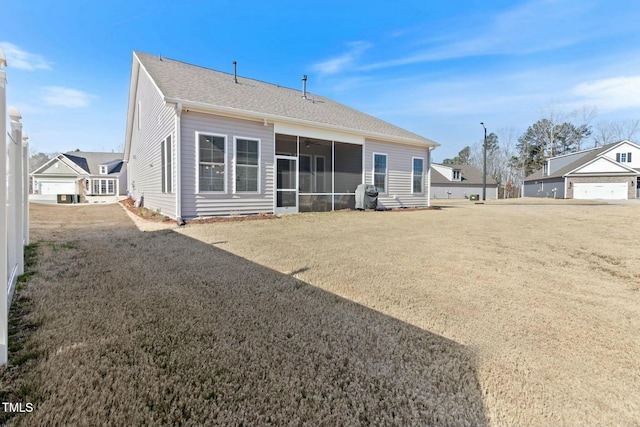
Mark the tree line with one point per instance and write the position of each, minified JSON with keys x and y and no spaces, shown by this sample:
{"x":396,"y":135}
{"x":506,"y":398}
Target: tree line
{"x":512,"y":157}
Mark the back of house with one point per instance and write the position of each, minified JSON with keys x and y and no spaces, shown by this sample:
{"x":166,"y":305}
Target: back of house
{"x":203,"y":143}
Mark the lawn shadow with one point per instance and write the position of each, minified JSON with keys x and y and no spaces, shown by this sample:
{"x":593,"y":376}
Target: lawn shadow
{"x":173,"y":330}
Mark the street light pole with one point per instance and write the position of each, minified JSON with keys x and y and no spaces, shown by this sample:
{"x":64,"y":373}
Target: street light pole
{"x":484,"y":164}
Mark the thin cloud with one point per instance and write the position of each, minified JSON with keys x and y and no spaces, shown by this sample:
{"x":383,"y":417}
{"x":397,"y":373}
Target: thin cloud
{"x":23,"y":60}
{"x":339,"y":63}
{"x":616,"y":93}
{"x":66,"y":97}
{"x":536,"y":26}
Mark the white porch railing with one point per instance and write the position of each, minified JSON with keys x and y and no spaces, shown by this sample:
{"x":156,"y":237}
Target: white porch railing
{"x":14,"y":213}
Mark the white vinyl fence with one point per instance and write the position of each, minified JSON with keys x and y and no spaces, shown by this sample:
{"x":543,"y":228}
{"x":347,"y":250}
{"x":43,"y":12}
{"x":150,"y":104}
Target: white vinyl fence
{"x":14,"y":214}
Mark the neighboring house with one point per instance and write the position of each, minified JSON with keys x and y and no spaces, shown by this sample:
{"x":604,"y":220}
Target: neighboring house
{"x":83,"y":176}
{"x":460,"y":182}
{"x":607,"y":172}
{"x":203,"y":143}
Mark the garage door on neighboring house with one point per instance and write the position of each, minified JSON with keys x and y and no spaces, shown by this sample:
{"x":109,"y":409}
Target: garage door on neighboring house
{"x":57,"y":187}
{"x":605,"y":190}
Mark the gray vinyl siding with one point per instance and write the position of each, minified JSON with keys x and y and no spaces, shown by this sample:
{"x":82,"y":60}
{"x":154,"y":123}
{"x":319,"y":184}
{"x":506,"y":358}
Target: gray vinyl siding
{"x":532,"y":188}
{"x":458,"y":191}
{"x":399,"y":173}
{"x":212,"y":204}
{"x":144,"y":167}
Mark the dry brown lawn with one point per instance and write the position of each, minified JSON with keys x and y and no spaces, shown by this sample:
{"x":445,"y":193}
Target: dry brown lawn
{"x":495,"y":314}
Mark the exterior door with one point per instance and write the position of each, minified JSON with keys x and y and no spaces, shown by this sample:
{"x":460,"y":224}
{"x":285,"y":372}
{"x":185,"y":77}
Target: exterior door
{"x":286,"y":185}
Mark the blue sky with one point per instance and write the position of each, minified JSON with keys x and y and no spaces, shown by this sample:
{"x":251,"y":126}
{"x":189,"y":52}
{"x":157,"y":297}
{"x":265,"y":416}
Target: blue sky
{"x":436,"y":68}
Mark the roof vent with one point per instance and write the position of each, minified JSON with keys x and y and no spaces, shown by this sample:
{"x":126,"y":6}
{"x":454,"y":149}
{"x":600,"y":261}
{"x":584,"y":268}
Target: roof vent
{"x":304,"y":86}
{"x":235,"y":71}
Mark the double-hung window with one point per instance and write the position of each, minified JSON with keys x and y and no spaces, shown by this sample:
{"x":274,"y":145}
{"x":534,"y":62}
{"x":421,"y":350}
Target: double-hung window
{"x":211,"y":162}
{"x":380,"y":172}
{"x":417,"y":175}
{"x":247,"y":165}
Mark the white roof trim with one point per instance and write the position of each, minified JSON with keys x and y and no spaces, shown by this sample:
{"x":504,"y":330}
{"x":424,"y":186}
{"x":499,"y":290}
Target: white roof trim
{"x":601,"y":157}
{"x":64,"y":159}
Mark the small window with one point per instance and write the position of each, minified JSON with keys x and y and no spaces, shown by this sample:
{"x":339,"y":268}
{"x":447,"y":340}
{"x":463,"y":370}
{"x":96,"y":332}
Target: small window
{"x":417,"y":175}
{"x":380,"y":172}
{"x":457,"y":175}
{"x":104,"y":170}
{"x":211,"y":162}
{"x":623,"y":157}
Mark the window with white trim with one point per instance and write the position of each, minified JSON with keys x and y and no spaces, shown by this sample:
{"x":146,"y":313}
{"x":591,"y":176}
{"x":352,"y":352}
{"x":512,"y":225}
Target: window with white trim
{"x":166,"y":157}
{"x":102,"y":187}
{"x":380,"y":172}
{"x":417,"y":175}
{"x":457,"y":175}
{"x":247,"y":164}
{"x":211,"y":162}
{"x":104,"y":170}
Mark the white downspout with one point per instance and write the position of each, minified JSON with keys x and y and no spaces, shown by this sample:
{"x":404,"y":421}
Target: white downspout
{"x":178,"y":162}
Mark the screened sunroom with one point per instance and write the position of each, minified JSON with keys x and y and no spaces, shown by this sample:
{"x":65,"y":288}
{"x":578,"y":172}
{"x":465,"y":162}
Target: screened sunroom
{"x":316,"y":175}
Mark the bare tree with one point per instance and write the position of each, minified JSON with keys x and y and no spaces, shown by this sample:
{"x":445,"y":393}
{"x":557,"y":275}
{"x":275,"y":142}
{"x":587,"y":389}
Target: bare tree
{"x":608,"y":132}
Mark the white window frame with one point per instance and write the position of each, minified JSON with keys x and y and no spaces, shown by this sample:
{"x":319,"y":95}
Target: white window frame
{"x":386,"y":171}
{"x":235,"y":164}
{"x":104,"y":170}
{"x":102,"y":183}
{"x":456,"y":175}
{"x":226,"y":166}
{"x":413,"y":175}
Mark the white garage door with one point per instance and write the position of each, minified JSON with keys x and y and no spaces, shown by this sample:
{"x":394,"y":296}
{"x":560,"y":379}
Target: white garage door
{"x":609,"y":190}
{"x":57,"y":187}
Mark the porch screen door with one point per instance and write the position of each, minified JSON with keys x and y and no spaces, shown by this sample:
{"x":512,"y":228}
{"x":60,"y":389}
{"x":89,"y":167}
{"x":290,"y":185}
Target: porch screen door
{"x":286,"y":185}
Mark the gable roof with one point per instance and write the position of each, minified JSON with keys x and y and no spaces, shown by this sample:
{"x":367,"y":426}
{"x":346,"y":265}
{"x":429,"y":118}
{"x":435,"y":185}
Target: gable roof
{"x":87,"y":163}
{"x":469,"y":174}
{"x":91,"y":161}
{"x":212,"y":90}
{"x":590,"y":156}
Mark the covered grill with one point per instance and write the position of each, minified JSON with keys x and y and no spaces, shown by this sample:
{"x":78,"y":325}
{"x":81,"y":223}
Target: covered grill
{"x":366,"y":197}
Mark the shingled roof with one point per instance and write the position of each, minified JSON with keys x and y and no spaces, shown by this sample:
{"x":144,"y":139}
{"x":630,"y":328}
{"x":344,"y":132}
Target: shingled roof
{"x":191,"y":84}
{"x":90,"y":161}
{"x":469,"y":175}
{"x":590,"y":154}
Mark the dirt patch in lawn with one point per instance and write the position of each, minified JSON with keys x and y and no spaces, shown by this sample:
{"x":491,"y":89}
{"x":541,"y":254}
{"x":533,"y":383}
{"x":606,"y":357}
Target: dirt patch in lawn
{"x":160,"y":328}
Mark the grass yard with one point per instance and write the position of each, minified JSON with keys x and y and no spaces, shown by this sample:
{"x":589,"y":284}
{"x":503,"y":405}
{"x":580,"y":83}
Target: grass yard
{"x":495,"y":314}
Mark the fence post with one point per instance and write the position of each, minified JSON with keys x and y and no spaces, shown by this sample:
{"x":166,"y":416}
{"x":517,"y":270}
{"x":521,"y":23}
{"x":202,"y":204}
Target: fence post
{"x":4,"y":283}
{"x":25,"y":188}
{"x":16,"y":246}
